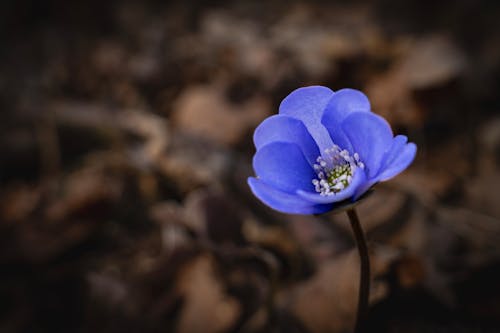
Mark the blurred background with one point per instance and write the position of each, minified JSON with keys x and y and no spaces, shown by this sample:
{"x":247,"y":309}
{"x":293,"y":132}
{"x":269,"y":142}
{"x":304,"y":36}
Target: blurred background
{"x":126,"y":140}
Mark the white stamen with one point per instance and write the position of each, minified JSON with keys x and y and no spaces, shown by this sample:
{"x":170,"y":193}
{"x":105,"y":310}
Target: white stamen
{"x":335,"y":170}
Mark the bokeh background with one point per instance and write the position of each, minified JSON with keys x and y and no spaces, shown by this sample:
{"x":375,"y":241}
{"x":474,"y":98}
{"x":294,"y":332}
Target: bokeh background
{"x":126,"y":140}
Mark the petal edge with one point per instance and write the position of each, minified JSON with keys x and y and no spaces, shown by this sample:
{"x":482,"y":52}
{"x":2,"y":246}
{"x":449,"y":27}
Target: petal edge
{"x":283,"y":165}
{"x":370,"y":136}
{"x":307,"y":104}
{"x":286,"y":129}
{"x":282,"y":201}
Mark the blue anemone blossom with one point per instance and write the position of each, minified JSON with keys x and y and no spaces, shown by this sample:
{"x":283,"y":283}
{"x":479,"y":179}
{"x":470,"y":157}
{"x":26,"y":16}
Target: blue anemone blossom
{"x":324,"y":148}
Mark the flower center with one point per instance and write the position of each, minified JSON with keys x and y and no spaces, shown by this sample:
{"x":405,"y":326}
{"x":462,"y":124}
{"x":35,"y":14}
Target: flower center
{"x":335,"y":170}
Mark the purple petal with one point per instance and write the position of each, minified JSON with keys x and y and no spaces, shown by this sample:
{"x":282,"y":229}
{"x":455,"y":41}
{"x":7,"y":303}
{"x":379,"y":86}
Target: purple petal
{"x":282,"y":201}
{"x":342,"y":104}
{"x":370,"y":136}
{"x":338,"y":136}
{"x":282,"y":165}
{"x":364,"y":187}
{"x":307,"y":104}
{"x":397,"y":146}
{"x":286,"y":129}
{"x":358,"y":180}
{"x":399,"y":163}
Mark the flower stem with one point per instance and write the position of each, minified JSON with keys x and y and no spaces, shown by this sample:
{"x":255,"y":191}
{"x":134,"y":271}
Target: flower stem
{"x":364,"y":280}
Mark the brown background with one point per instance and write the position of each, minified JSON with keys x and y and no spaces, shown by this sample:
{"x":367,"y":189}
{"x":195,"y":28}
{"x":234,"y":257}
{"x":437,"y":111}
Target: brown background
{"x":126,"y":139}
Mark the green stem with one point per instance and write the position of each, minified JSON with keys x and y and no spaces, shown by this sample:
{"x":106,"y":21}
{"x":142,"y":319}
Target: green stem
{"x":364,"y":280}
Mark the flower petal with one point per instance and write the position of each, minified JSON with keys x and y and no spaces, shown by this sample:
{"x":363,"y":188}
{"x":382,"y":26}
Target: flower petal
{"x":282,"y":165}
{"x":399,"y":163}
{"x":286,"y":129}
{"x":343,"y":103}
{"x":397,"y":146}
{"x":370,"y":136}
{"x":338,"y":136}
{"x":364,"y":188}
{"x":282,"y":201}
{"x":307,"y":104}
{"x":358,"y":180}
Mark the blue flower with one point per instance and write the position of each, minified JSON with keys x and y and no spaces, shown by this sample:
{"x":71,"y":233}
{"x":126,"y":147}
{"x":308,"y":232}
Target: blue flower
{"x":324,"y":148}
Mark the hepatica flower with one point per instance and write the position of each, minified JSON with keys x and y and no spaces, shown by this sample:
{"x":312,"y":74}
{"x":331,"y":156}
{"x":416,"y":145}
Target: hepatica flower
{"x":324,"y":148}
